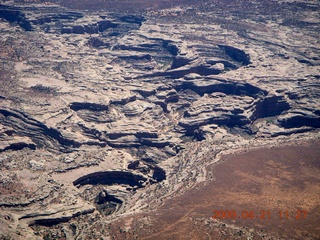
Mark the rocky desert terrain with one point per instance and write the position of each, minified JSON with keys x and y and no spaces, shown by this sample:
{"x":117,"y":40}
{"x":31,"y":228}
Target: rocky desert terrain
{"x":116,"y":118}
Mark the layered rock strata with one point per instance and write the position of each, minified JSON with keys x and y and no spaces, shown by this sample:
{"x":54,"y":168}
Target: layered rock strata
{"x":106,"y":114}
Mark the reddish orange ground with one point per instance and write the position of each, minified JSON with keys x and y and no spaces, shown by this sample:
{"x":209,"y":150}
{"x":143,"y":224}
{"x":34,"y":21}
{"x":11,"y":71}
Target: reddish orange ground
{"x":272,"y":179}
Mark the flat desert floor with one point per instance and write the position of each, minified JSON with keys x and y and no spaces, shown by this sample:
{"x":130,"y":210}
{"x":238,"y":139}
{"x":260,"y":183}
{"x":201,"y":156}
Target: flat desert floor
{"x":261,"y":194}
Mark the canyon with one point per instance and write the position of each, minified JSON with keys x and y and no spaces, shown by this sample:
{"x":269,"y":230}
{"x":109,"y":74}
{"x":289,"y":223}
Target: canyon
{"x":110,"y":111}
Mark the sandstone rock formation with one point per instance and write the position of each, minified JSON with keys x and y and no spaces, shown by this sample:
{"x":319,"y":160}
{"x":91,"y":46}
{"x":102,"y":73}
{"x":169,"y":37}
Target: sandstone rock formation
{"x":104,"y":113}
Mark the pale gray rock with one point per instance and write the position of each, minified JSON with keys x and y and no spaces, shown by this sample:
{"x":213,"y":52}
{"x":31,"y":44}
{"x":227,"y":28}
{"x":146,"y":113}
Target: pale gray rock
{"x":132,"y":105}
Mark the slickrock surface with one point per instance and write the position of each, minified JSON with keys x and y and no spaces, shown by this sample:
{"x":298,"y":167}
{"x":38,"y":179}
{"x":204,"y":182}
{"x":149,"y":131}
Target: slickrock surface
{"x":109,"y":111}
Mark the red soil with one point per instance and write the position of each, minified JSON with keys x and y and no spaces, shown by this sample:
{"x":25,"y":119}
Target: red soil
{"x":270,"y":180}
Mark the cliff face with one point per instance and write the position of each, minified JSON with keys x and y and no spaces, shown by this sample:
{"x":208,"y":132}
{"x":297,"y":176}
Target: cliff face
{"x":110,"y":178}
{"x":108,"y":112}
{"x":14,"y":15}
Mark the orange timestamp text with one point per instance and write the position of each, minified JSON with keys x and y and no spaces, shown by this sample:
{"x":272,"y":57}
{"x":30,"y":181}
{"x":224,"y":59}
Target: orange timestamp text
{"x":262,"y":214}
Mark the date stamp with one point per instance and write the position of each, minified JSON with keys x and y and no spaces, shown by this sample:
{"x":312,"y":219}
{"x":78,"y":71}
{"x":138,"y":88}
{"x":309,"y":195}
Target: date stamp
{"x":262,"y":214}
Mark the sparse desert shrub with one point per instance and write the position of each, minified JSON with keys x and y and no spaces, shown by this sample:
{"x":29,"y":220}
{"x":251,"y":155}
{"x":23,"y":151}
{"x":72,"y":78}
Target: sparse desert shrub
{"x":47,"y":237}
{"x":269,"y":121}
{"x":43,"y":89}
{"x":5,"y":237}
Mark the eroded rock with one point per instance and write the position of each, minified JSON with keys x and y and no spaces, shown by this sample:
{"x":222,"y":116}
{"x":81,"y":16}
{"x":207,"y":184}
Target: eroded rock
{"x":131,"y":106}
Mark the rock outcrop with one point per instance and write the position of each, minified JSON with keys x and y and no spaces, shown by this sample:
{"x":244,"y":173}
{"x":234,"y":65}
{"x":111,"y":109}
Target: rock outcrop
{"x":55,"y":217}
{"x":269,"y":106}
{"x":299,"y":119}
{"x":107,"y":113}
{"x":111,"y":177}
{"x":40,"y":134}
